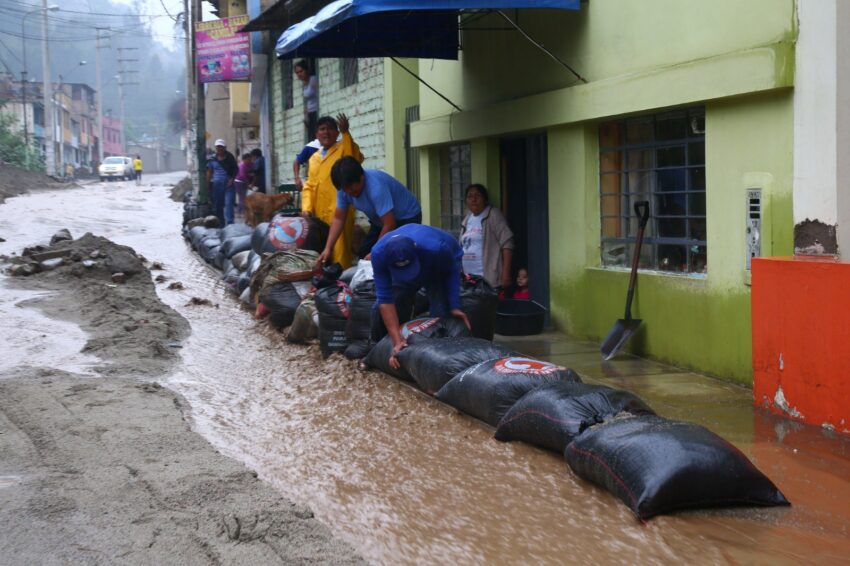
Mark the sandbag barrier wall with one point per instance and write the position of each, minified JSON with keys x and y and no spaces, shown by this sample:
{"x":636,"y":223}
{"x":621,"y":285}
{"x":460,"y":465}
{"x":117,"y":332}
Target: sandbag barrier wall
{"x":609,"y":437}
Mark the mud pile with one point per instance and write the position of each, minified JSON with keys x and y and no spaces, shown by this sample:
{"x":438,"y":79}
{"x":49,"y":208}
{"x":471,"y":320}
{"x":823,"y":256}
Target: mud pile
{"x":16,"y":181}
{"x":178,"y":191}
{"x":114,"y":301}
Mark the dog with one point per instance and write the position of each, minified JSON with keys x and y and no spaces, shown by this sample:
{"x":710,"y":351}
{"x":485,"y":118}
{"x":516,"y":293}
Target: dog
{"x":260,"y":207}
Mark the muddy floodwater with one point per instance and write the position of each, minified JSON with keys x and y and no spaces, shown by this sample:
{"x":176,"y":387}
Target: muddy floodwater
{"x":401,"y":477}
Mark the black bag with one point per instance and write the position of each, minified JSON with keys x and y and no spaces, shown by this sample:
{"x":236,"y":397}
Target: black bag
{"x":487,"y":390}
{"x":290,"y":233}
{"x":334,"y":305}
{"x":553,"y":414}
{"x":657,"y":466}
{"x":479,"y":301}
{"x":282,"y":300}
{"x":192,"y":211}
{"x":231,"y":279}
{"x":234,"y":231}
{"x":258,"y":239}
{"x":433,"y":362}
{"x":209,"y":248}
{"x":379,"y":358}
{"x":199,"y":234}
{"x":233,"y":246}
{"x":450,"y":327}
{"x":359,"y":327}
{"x":240,"y":260}
{"x":243,"y":282}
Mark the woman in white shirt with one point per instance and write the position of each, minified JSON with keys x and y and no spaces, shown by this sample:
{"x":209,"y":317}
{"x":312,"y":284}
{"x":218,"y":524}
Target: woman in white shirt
{"x":311,"y":96}
{"x":486,"y":239}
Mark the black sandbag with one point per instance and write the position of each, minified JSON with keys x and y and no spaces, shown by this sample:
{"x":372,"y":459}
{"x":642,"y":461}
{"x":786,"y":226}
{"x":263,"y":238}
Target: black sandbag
{"x":332,"y":334}
{"x":236,"y":244}
{"x":231,"y":279}
{"x":234,"y":231}
{"x":282,"y":300}
{"x":226,"y":266}
{"x":243,"y":282}
{"x":657,"y":466}
{"x":357,"y":349}
{"x":552,"y":415}
{"x":489,"y":389}
{"x":258,"y":238}
{"x":433,"y":362}
{"x":192,"y":211}
{"x":254,"y":262}
{"x":208,"y":249}
{"x":360,"y":319}
{"x":347,"y":275}
{"x":198,"y":234}
{"x":437,"y":327}
{"x":379,"y":358}
{"x":334,"y":305}
{"x":194,"y":234}
{"x":479,"y":301}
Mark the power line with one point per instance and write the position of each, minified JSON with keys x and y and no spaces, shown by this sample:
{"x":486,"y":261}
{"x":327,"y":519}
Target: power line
{"x":110,"y":14}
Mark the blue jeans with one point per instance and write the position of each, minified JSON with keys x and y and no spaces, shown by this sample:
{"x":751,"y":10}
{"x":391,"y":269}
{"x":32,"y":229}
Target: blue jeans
{"x":229,"y":200}
{"x":404,"y":297}
{"x":219,"y":188}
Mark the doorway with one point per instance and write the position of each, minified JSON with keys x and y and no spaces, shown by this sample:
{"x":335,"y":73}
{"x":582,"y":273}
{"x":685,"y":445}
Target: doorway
{"x":525,"y":203}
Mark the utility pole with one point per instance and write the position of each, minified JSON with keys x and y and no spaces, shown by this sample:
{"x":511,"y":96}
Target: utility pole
{"x":190,"y":96}
{"x":47,"y":95}
{"x":99,"y":99}
{"x":200,"y":115}
{"x":122,"y":77}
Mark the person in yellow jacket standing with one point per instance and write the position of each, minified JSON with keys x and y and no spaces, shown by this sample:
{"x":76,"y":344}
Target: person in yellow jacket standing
{"x":137,"y":167}
{"x":318,"y":197}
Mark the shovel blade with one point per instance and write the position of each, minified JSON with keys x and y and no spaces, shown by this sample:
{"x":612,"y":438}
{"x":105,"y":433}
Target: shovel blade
{"x":619,"y":335}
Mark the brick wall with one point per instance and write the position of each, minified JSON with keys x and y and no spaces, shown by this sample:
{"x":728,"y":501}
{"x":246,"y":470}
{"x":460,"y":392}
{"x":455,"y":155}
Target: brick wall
{"x":361,"y":102}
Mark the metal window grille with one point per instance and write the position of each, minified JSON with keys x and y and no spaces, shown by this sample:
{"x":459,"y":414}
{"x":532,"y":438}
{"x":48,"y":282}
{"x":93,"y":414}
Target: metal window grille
{"x":455,"y":175}
{"x":411,"y":114}
{"x":286,"y":81}
{"x":347,"y":72}
{"x":659,"y":158}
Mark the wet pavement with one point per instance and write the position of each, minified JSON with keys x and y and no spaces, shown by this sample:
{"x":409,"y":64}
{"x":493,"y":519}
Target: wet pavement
{"x":408,"y":480}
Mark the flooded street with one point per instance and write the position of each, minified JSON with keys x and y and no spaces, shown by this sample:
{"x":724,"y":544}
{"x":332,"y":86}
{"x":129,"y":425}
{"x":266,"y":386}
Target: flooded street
{"x":401,"y":477}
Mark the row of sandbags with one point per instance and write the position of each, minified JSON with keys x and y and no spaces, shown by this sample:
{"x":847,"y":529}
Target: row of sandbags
{"x":608,"y":436}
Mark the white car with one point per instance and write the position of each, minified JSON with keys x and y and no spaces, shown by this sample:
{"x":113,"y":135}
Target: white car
{"x":116,"y":167}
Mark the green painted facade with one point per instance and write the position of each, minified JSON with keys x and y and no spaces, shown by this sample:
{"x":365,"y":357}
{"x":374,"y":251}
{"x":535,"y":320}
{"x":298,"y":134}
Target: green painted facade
{"x":734,"y":59}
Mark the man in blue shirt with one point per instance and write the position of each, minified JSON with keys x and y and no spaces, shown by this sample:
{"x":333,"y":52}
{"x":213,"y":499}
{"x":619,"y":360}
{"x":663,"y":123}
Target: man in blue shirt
{"x":386,"y":202}
{"x":406,"y":259}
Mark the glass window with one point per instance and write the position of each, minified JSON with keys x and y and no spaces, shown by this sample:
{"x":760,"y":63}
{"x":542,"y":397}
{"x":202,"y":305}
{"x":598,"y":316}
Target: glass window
{"x":660,"y":159}
{"x":347,"y":72}
{"x":286,"y":79}
{"x":455,"y":176}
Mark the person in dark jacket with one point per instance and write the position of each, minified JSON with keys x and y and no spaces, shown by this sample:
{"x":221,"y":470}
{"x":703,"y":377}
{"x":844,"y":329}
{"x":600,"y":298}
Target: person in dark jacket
{"x":221,"y":171}
{"x":259,"y":165}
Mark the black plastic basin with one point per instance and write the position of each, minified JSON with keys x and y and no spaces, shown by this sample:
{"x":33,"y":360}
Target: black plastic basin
{"x":516,"y":317}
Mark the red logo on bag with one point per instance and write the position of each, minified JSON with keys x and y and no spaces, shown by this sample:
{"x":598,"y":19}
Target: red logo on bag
{"x":286,"y":233}
{"x":526,"y":366}
{"x":343,"y":300}
{"x":417,"y":326}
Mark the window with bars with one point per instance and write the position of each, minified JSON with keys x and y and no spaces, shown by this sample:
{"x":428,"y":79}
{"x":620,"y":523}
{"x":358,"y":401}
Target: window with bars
{"x":660,"y":159}
{"x":347,"y":72}
{"x":286,"y":81}
{"x":455,"y":176}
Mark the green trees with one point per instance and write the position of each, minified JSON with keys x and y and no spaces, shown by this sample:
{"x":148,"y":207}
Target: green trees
{"x":13,"y":147}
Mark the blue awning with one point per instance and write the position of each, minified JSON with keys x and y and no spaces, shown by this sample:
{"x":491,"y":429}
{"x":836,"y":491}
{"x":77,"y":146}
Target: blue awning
{"x":425,"y":29}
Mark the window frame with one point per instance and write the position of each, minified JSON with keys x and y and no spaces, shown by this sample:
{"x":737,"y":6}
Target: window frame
{"x":667,"y":170}
{"x":349,"y":72}
{"x":286,"y":84}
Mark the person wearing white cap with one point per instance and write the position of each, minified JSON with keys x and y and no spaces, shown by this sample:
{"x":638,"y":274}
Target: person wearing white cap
{"x":221,"y":171}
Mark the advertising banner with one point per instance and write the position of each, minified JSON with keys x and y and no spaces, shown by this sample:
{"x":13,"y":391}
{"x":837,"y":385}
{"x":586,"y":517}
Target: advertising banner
{"x":223,"y":55}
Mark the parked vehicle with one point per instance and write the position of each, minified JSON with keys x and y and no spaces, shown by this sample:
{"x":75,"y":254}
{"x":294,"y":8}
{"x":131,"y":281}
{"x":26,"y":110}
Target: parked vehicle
{"x":116,"y":167}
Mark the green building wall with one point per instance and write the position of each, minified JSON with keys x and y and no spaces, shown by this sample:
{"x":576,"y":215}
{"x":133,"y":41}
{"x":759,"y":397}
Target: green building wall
{"x":734,"y":59}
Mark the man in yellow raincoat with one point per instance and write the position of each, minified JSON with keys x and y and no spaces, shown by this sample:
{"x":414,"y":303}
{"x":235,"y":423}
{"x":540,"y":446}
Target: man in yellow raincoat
{"x":318,"y":197}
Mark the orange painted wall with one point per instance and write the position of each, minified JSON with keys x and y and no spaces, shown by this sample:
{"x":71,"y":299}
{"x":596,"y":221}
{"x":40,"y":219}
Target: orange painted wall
{"x":801,"y":339}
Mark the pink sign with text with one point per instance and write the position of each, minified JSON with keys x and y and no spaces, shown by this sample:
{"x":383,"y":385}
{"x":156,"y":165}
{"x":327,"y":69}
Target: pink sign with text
{"x":223,"y":53}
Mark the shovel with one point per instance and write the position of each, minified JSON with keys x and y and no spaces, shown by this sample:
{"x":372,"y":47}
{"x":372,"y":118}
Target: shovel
{"x":625,"y":327}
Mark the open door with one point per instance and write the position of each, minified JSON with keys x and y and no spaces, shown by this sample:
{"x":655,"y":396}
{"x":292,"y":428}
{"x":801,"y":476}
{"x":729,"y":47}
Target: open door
{"x":525,"y":203}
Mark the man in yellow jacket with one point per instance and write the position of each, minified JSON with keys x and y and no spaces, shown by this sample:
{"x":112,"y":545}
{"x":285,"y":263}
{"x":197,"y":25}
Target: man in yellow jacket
{"x":318,"y":197}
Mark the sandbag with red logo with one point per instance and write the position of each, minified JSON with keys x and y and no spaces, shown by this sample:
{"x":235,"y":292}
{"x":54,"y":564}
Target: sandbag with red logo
{"x":656,"y":466}
{"x":334,"y":305}
{"x":552,"y":415}
{"x":433,"y":362}
{"x":488,"y":389}
{"x":289,"y":233}
{"x":479,"y":301}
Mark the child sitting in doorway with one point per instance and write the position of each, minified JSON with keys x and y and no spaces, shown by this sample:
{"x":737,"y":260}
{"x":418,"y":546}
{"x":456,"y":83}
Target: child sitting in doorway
{"x":520,"y":290}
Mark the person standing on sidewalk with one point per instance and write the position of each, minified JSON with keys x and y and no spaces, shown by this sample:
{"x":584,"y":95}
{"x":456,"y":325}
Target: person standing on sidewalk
{"x":221,"y":171}
{"x":318,"y":197}
{"x":243,"y":177}
{"x":137,"y":167}
{"x":258,"y":180}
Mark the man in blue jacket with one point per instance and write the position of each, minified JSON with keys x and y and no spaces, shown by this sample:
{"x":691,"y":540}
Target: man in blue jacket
{"x":386,"y":202}
{"x":404,"y":260}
